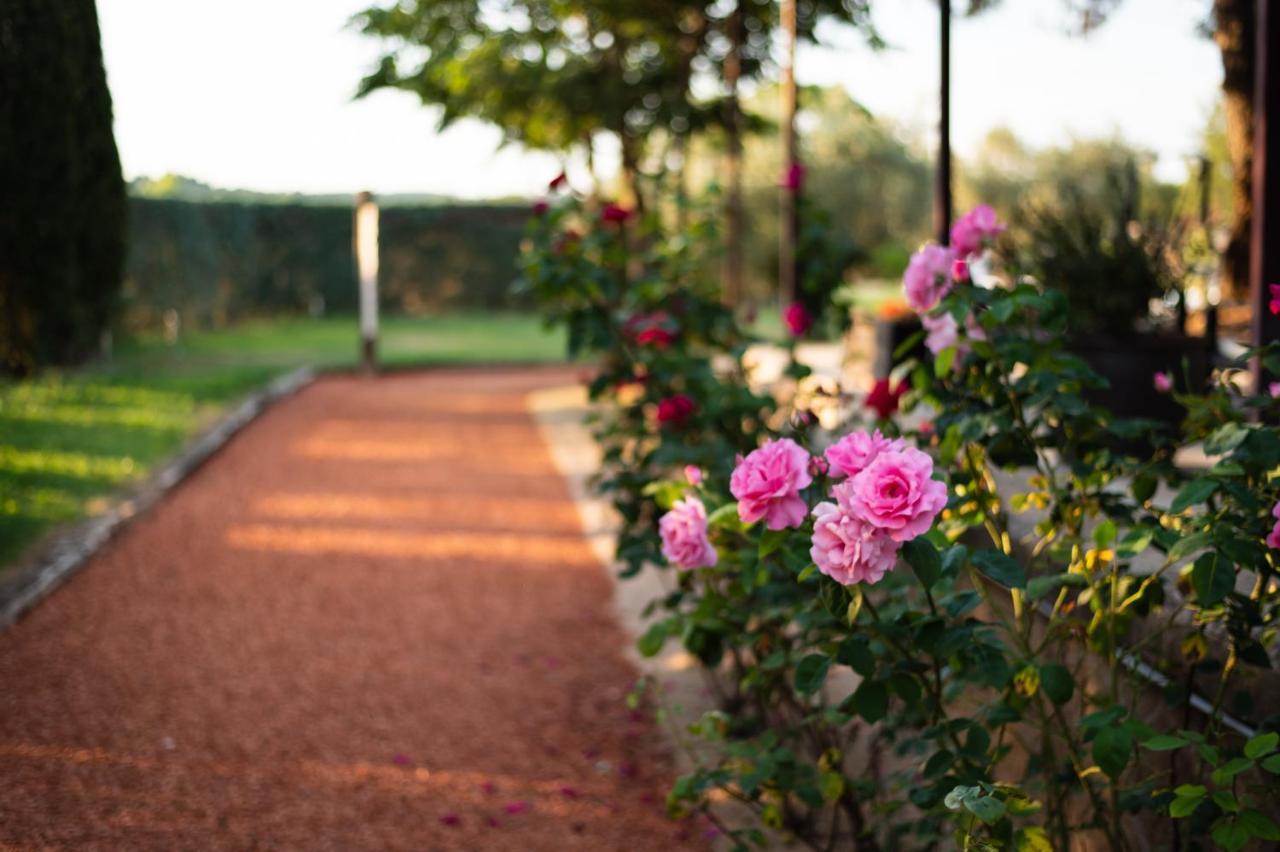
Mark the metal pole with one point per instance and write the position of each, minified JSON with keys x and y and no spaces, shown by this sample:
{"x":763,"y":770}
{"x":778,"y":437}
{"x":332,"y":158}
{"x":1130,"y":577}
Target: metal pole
{"x":1264,"y":267}
{"x":791,"y":184}
{"x":365,"y":238}
{"x":942,"y":180}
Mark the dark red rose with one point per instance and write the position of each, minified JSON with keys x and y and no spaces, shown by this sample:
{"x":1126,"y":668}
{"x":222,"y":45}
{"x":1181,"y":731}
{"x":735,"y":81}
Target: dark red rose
{"x":540,"y":207}
{"x":675,"y":410}
{"x":793,"y":178}
{"x":615,"y":214}
{"x":883,"y":400}
{"x":558,"y":181}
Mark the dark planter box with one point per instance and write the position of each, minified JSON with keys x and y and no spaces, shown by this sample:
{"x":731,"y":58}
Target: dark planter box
{"x":892,"y":333}
{"x":1130,"y":364}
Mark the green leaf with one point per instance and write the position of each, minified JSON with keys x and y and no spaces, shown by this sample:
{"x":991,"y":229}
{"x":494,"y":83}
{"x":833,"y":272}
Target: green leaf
{"x":1038,"y":587}
{"x":1104,"y":533}
{"x":871,"y":700}
{"x":1188,"y":545}
{"x":1183,"y":806}
{"x":1163,"y":742}
{"x":1213,"y":578}
{"x":924,"y":560}
{"x":988,"y":808}
{"x":1111,"y":749}
{"x":771,"y":541}
{"x":1223,"y":774}
{"x":1261,"y":744}
{"x":1230,"y":835}
{"x":811,"y":673}
{"x":1225,"y":438}
{"x":832,"y":784}
{"x":1005,"y":570}
{"x":653,"y":639}
{"x":1194,"y":492}
{"x":1057,"y":683}
{"x":855,"y":652}
{"x":939,"y":763}
{"x":943,"y":363}
{"x":725,"y":517}
{"x":1258,"y":824}
{"x":1272,"y":764}
{"x":1134,"y":542}
{"x":1032,"y":839}
{"x":807,"y":573}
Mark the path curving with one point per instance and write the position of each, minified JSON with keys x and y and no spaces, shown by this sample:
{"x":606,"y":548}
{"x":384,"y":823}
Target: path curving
{"x":371,"y":622}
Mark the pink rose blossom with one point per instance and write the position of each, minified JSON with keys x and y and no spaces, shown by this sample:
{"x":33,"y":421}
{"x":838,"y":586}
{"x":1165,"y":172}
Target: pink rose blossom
{"x":767,"y":484}
{"x":960,"y":270}
{"x":693,"y":475}
{"x":944,"y":332}
{"x":847,"y":548}
{"x":974,"y":230}
{"x":928,"y":277}
{"x":1274,"y":390}
{"x":1273,"y":540}
{"x":1162,"y":382}
{"x":684,"y":535}
{"x":793,"y":177}
{"x":896,"y":493}
{"x":1275,"y":298}
{"x":855,"y":451}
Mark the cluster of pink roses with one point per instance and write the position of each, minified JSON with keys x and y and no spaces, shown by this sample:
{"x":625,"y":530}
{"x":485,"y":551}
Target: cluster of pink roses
{"x":887,"y":496}
{"x":934,"y":270}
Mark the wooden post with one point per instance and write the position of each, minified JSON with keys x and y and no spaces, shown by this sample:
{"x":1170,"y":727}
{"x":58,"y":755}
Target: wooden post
{"x":733,"y":162}
{"x":788,"y":225}
{"x":1264,"y":266}
{"x":942,"y":206}
{"x":365,"y":239}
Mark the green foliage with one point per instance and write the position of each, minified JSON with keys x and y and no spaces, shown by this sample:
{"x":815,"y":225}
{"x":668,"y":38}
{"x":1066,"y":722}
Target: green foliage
{"x":62,"y":224}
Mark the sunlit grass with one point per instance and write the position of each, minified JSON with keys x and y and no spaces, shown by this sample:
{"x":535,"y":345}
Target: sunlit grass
{"x":69,"y":440}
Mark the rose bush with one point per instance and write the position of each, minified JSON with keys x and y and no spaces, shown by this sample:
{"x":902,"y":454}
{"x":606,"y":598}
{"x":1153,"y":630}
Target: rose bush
{"x":999,"y":628}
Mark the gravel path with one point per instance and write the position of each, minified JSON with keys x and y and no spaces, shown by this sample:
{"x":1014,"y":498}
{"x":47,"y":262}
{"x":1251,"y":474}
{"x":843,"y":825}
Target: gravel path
{"x":371,"y":622}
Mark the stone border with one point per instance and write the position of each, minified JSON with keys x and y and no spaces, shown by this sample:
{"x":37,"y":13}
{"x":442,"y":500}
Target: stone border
{"x":57,"y":561}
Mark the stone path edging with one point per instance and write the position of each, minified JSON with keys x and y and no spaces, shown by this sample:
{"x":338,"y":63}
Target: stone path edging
{"x":70,"y":550}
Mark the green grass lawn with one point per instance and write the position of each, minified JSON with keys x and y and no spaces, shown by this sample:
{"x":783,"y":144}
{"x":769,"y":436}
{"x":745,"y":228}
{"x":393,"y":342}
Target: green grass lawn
{"x":68,"y":441}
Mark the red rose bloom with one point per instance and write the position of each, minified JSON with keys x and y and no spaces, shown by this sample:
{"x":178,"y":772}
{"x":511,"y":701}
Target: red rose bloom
{"x":558,"y":181}
{"x":798,"y":319}
{"x":655,"y":329}
{"x":615,"y":214}
{"x":674,"y":410}
{"x":883,"y":400}
{"x":540,"y":207}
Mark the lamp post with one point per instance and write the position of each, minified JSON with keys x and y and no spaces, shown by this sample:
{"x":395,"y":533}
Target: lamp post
{"x":366,"y":249}
{"x":942,"y":179}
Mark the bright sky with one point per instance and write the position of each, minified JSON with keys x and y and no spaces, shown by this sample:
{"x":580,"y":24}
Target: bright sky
{"x":256,"y":94}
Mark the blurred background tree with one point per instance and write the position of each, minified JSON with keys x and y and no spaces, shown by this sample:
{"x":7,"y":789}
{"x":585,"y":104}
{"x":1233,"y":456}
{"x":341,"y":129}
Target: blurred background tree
{"x":62,"y":224}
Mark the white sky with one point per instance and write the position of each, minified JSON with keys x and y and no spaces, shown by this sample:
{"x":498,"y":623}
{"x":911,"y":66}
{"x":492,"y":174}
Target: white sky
{"x":256,"y":94}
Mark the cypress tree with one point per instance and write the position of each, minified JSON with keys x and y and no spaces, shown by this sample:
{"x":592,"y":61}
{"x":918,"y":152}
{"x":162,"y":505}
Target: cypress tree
{"x":62,"y":219}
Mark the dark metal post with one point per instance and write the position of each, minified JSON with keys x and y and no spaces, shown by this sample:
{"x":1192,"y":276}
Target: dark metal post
{"x":791,"y":183}
{"x":1264,"y":267}
{"x":942,"y":206}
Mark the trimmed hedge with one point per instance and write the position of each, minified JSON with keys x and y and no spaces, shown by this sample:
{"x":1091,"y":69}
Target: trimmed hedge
{"x":217,"y":262}
{"x":62,"y":223}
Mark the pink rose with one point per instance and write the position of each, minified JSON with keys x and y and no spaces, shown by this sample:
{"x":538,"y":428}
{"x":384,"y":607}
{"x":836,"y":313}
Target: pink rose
{"x":974,"y":230}
{"x":767,"y":484}
{"x":793,"y":178}
{"x":1275,"y":298}
{"x":928,"y":277}
{"x":798,"y":319}
{"x":845,"y":547}
{"x":684,"y":535}
{"x":855,"y":451}
{"x":1273,"y":540}
{"x":1274,"y":390}
{"x":960,"y":270}
{"x":693,"y":475}
{"x":944,"y":332}
{"x":1162,"y":382}
{"x":675,"y":410}
{"x":896,"y":493}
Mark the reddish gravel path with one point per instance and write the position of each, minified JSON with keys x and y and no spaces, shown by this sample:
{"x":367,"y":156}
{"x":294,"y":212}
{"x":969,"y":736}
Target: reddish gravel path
{"x":371,"y":622}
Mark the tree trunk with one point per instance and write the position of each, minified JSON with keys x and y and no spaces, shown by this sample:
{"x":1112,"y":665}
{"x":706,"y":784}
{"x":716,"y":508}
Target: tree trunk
{"x":1235,"y":23}
{"x":733,"y":163}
